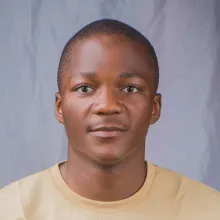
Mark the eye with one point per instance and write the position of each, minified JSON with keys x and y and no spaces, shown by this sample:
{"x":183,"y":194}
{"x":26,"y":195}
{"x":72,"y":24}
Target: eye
{"x":130,"y":89}
{"x":84,"y":89}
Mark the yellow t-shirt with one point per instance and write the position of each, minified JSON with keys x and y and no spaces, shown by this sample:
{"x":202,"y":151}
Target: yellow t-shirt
{"x":165,"y":195}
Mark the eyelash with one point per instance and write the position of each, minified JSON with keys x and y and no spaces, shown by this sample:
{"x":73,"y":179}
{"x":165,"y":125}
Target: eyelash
{"x":130,"y":85}
{"x":89,"y":86}
{"x":81,"y":86}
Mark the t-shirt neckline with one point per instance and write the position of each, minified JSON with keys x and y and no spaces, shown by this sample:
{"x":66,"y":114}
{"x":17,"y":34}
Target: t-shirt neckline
{"x":100,"y":206}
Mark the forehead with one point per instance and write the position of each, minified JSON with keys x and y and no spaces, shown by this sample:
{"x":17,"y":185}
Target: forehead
{"x":110,"y":49}
{"x":112,"y":54}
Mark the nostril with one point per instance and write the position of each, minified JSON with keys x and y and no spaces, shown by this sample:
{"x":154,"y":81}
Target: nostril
{"x":108,"y":109}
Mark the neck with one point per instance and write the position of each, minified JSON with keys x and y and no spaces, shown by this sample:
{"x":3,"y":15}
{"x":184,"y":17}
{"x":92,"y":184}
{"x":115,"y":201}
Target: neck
{"x":104,"y":183}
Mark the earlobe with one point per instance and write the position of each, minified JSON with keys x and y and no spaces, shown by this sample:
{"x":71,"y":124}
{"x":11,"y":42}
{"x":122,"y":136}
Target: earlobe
{"x":58,"y":108}
{"x":156,"y":109}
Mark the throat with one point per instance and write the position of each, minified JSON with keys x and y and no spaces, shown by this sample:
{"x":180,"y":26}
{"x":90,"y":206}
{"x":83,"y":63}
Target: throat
{"x":104,"y":183}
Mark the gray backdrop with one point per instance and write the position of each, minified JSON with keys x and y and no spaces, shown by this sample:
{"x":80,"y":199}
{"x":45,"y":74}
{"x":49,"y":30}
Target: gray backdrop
{"x":185,"y":34}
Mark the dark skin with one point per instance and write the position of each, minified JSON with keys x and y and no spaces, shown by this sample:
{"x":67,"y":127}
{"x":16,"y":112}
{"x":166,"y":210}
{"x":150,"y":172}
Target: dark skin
{"x":107,"y":101}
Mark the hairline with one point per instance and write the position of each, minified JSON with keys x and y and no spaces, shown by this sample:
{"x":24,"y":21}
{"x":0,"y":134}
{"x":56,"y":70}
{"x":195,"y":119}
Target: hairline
{"x":67,"y":51}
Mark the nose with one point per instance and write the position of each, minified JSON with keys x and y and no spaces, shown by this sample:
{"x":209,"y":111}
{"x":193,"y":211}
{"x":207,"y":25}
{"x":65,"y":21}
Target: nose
{"x":108,"y":103}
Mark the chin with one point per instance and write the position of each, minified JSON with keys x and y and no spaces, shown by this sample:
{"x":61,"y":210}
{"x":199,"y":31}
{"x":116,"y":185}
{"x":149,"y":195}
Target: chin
{"x":110,"y":152}
{"x":109,"y":156}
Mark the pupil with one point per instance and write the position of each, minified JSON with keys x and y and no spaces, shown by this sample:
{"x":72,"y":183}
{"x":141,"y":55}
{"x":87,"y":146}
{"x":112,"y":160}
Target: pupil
{"x":130,"y":89}
{"x":84,"y":89}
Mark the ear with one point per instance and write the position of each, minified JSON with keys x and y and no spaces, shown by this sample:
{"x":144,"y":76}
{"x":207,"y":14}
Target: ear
{"x":156,"y":108}
{"x":58,"y":108}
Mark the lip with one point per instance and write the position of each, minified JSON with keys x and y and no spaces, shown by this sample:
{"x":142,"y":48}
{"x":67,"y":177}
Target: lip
{"x":108,"y":131}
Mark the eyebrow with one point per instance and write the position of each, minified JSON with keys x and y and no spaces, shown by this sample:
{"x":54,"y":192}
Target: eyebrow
{"x":129,"y":75}
{"x":88,"y":74}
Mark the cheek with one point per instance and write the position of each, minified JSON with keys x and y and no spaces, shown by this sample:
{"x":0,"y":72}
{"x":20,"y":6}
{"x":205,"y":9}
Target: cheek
{"x":140,"y":113}
{"x":73,"y":113}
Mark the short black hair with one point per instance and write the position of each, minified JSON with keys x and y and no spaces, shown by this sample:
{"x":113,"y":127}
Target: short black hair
{"x":110,"y":27}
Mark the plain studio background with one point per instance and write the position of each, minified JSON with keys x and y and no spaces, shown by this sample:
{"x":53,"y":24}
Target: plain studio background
{"x":186,"y":36}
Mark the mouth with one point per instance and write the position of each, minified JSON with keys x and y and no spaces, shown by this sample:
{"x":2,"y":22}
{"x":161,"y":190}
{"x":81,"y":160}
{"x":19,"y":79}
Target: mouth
{"x":107,"y":131}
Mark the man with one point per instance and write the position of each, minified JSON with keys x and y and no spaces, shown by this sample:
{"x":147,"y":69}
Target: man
{"x":108,"y":77}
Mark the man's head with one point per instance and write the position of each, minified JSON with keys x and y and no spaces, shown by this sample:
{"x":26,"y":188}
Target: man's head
{"x":108,"y":77}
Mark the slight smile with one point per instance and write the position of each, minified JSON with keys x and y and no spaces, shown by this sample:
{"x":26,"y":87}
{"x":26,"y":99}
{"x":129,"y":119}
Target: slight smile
{"x":107,"y":131}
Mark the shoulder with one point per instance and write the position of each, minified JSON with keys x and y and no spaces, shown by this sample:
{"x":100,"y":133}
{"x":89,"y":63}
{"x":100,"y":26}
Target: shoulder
{"x":190,"y":195}
{"x":15,"y":197}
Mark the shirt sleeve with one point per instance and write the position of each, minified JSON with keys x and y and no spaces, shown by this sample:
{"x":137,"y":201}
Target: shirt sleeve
{"x":10,"y":203}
